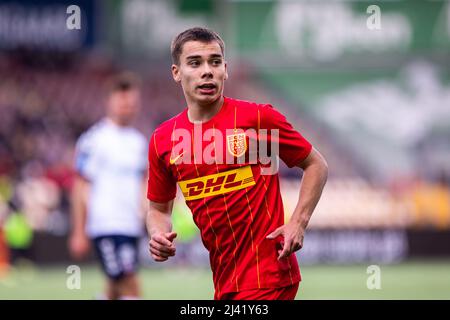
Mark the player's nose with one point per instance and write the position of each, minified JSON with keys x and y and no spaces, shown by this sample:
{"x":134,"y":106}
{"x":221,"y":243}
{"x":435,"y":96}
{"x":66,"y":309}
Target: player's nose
{"x":207,"y":71}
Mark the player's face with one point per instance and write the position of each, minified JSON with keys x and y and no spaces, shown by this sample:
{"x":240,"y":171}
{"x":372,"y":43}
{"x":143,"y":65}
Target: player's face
{"x":123,"y":106}
{"x":201,"y":72}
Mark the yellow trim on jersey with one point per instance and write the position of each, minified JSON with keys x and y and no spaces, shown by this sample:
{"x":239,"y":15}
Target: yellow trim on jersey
{"x":218,"y":183}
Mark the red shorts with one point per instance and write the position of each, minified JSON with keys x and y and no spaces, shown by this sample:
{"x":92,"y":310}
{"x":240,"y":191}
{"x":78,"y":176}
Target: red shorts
{"x":284,"y":293}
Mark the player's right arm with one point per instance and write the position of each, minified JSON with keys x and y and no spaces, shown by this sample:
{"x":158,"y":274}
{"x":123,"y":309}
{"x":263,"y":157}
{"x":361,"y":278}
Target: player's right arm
{"x":79,"y":242}
{"x":159,"y":227}
{"x":161,"y":192}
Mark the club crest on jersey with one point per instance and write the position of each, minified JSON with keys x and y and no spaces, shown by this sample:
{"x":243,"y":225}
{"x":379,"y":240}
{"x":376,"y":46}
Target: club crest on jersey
{"x":237,"y":144}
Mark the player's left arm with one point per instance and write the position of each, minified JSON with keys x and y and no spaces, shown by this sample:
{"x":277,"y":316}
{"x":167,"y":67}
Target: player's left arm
{"x":315,"y":173}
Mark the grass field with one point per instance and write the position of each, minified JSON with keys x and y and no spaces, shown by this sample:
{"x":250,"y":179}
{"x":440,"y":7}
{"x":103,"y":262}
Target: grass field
{"x":410,"y":280}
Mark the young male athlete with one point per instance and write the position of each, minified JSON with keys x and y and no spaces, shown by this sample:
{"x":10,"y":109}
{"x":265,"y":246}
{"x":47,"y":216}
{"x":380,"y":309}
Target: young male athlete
{"x":111,"y":161}
{"x":209,"y":150}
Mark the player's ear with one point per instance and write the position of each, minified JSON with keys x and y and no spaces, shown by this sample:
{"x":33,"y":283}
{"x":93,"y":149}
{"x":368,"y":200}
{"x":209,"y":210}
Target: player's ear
{"x":176,"y":73}
{"x":226,"y":71}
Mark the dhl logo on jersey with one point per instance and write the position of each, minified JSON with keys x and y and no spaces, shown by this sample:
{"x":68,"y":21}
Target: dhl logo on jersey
{"x":219,"y":183}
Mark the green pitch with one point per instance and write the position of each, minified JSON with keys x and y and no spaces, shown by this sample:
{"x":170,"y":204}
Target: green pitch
{"x":411,"y":280}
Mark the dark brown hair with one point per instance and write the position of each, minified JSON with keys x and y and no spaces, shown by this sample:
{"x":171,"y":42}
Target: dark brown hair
{"x":124,"y":81}
{"x":194,"y":34}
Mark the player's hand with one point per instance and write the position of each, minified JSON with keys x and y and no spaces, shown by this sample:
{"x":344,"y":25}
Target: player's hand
{"x":293,"y":238}
{"x":79,"y":245}
{"x":162,"y":246}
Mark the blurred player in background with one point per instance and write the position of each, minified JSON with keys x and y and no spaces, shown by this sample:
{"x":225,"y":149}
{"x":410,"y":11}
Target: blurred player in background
{"x":107,"y":200}
{"x":237,"y":208}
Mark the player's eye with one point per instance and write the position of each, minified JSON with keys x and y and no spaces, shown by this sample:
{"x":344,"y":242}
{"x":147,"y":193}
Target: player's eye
{"x":194,"y":63}
{"x":217,"y":62}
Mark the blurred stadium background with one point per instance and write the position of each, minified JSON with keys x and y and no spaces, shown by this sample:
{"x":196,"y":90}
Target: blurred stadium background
{"x":376,"y":103}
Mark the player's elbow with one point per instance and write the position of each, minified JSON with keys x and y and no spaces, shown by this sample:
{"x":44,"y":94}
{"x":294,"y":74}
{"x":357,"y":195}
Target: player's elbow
{"x":317,"y":165}
{"x":322,"y":165}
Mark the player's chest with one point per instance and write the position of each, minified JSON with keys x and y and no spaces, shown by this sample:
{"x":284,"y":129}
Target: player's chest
{"x":119,"y":153}
{"x":206,"y":150}
{"x":212,"y":161}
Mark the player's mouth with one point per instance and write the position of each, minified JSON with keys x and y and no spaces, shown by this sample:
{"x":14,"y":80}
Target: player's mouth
{"x":207,"y":88}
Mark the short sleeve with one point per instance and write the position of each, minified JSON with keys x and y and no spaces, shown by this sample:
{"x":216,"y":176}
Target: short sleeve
{"x":85,"y":156}
{"x":293,"y":147}
{"x":161,"y":184}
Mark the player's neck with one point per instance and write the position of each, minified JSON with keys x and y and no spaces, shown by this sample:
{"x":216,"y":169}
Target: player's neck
{"x":198,"y":112}
{"x":117,"y":122}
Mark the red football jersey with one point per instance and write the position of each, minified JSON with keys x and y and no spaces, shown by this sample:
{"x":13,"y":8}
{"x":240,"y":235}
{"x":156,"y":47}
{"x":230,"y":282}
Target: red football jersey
{"x":234,"y":205}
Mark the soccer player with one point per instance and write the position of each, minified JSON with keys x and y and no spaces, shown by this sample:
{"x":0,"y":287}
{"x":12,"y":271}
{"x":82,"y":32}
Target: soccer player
{"x":236,"y":204}
{"x":107,"y":200}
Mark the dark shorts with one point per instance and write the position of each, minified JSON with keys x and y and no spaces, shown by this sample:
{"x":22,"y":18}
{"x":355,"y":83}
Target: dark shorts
{"x":118,"y":255}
